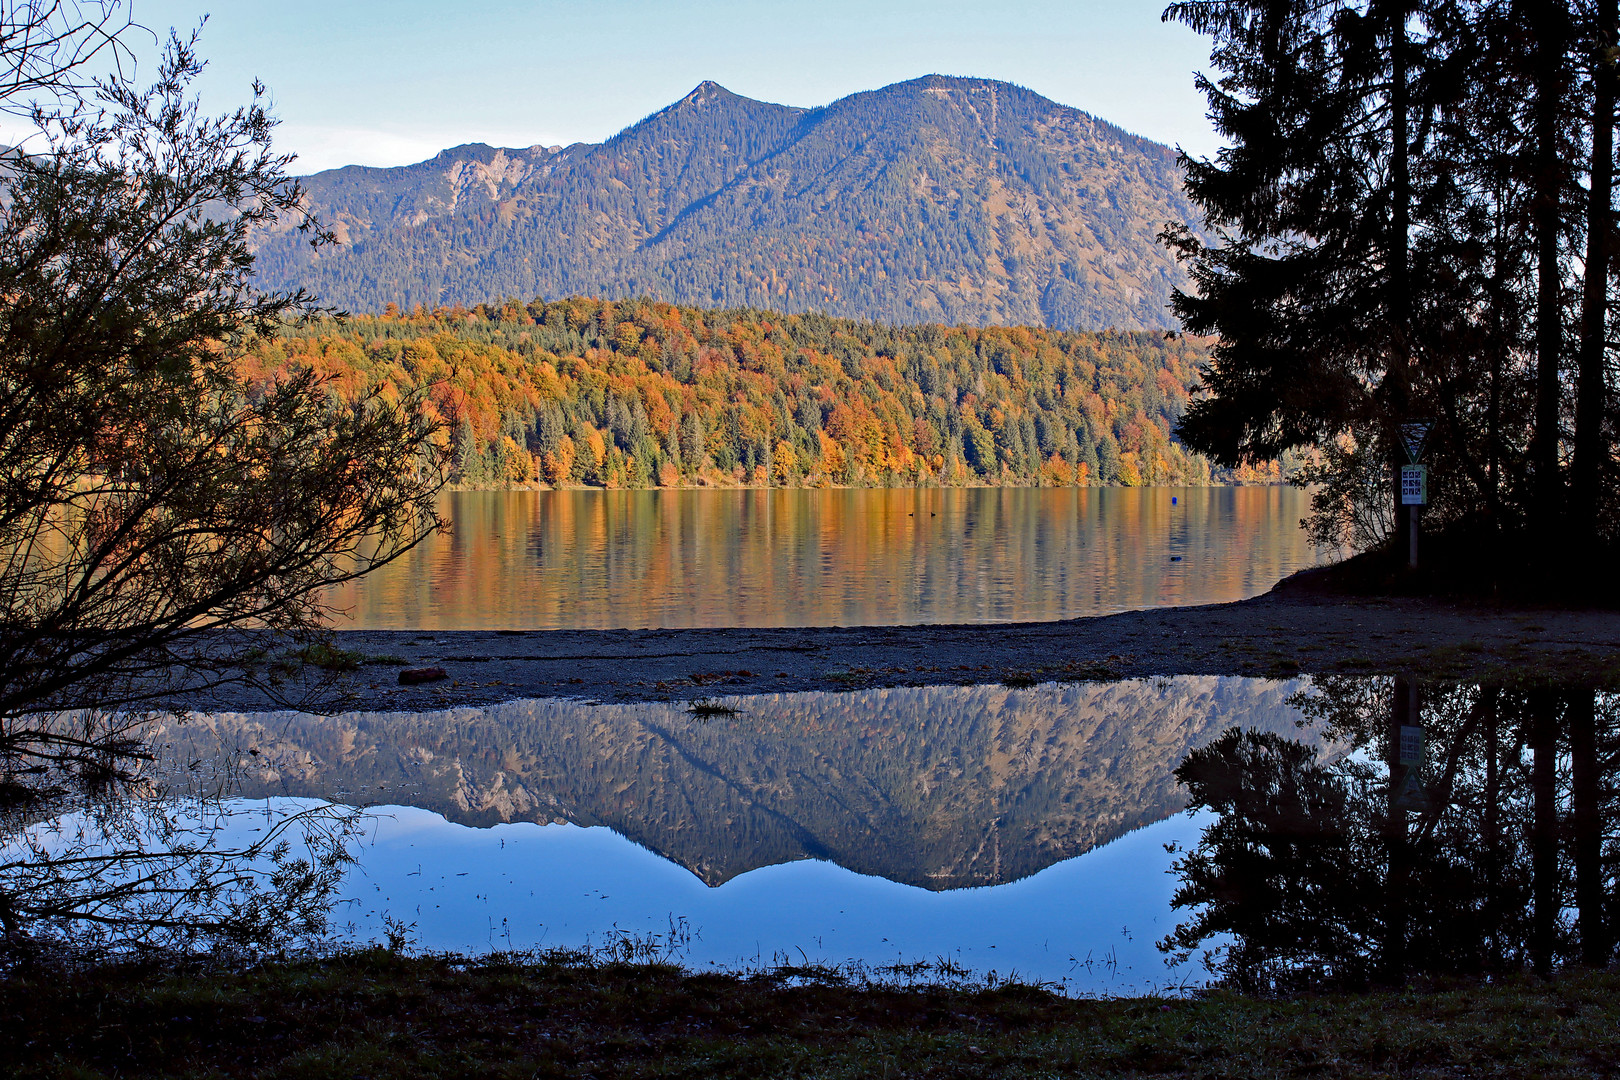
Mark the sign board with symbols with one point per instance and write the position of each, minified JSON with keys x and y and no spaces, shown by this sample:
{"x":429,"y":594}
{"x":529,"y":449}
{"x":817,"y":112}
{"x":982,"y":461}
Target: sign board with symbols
{"x":1411,"y":748}
{"x":1411,"y":795}
{"x":1413,"y":438}
{"x":1414,"y":485}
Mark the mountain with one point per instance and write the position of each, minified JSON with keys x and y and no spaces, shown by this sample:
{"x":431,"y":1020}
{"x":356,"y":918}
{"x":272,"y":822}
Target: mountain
{"x":943,"y":787}
{"x":936,"y":200}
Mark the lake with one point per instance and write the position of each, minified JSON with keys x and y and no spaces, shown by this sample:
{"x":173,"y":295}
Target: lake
{"x":535,"y":560}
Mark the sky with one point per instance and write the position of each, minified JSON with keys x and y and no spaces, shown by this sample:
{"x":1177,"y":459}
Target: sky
{"x":389,"y":83}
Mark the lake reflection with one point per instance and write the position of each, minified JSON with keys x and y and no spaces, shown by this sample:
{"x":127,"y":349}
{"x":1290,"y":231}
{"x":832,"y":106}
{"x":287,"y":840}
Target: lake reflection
{"x":853,"y":826}
{"x":594,"y":559}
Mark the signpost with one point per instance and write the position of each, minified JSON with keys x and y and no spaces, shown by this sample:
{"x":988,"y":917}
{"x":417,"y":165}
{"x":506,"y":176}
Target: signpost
{"x":1414,"y":482}
{"x":1414,"y":437}
{"x":1409,"y":793}
{"x":1414,"y":485}
{"x":1411,"y":745}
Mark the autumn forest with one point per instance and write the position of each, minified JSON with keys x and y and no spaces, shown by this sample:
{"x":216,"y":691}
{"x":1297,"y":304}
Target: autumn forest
{"x":640,"y":394}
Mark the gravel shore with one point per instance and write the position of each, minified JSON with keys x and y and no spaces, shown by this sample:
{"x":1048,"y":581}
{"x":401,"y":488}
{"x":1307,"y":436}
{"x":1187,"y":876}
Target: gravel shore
{"x":1284,"y":633}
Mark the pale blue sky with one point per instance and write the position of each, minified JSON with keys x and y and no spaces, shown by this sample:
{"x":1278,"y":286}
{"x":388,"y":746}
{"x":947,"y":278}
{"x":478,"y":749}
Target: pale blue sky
{"x":359,"y":81}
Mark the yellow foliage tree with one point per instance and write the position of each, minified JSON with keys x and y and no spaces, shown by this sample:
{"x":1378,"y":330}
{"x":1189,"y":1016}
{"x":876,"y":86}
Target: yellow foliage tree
{"x":557,"y":464}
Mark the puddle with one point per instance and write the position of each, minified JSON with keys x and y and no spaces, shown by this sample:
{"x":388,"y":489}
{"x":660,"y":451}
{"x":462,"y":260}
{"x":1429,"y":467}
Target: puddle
{"x":1345,"y":831}
{"x":1008,"y":830}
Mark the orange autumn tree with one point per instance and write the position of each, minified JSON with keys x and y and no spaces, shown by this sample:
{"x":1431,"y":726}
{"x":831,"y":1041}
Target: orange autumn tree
{"x":642,"y":394}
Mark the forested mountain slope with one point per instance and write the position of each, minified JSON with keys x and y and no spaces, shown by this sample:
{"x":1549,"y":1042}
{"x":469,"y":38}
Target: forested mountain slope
{"x":641,"y":394}
{"x":936,"y":200}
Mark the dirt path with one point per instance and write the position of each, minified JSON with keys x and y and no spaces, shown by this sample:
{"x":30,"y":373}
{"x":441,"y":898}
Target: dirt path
{"x":1281,"y":634}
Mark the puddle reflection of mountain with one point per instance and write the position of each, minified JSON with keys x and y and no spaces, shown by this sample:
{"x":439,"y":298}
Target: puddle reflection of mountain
{"x":941,"y":787}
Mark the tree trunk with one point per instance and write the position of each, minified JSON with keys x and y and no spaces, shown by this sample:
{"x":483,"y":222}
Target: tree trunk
{"x":1549,"y":23}
{"x":1398,"y":375}
{"x":1543,"y":830}
{"x":1403,"y":711}
{"x":1492,"y":828}
{"x":1586,"y":473}
{"x":1587,"y":831}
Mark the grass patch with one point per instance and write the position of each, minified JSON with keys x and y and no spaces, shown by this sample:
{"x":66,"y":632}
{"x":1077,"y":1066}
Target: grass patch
{"x":330,"y":658}
{"x":379,"y":1014}
{"x":325,"y":657}
{"x":1094,"y":672}
{"x":710,"y":707}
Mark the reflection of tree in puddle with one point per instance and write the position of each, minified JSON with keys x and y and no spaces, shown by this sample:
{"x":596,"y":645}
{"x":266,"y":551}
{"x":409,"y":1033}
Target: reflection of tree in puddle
{"x":1471,"y":830}
{"x":100,"y":850}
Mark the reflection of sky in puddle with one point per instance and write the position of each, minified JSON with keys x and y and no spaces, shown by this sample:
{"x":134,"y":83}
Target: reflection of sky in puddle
{"x":1088,"y":923}
{"x":1014,"y":830}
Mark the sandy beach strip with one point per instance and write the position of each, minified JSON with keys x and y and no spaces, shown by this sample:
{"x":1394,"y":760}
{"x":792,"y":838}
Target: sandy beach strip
{"x":1282,"y":634}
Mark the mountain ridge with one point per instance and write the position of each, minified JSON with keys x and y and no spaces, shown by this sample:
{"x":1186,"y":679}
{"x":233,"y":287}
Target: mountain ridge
{"x":939,"y":199}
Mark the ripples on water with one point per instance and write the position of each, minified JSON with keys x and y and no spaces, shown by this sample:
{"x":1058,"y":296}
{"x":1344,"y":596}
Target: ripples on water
{"x":594,"y":559}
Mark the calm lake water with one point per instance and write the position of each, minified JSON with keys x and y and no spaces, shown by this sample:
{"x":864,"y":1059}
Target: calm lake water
{"x":596,"y":559}
{"x":1008,"y":829}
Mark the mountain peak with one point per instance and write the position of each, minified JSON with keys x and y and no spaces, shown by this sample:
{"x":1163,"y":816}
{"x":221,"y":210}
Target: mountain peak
{"x":705,"y":92}
{"x":942,"y":199}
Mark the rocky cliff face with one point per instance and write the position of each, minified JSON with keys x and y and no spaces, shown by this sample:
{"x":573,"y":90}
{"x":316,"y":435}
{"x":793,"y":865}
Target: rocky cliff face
{"x":942,"y":787}
{"x":935,"y":200}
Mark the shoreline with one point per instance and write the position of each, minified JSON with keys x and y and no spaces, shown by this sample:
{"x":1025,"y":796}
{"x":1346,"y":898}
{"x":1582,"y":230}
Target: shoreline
{"x":720,"y":484}
{"x":1284,"y":633}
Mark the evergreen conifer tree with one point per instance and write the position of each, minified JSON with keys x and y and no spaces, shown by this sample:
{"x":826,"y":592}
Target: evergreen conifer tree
{"x":1400,"y":217}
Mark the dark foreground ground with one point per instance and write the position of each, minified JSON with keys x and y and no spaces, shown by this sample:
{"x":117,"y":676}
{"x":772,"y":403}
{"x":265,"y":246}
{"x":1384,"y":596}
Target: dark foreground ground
{"x":1288,"y":631}
{"x":374,"y":1015}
